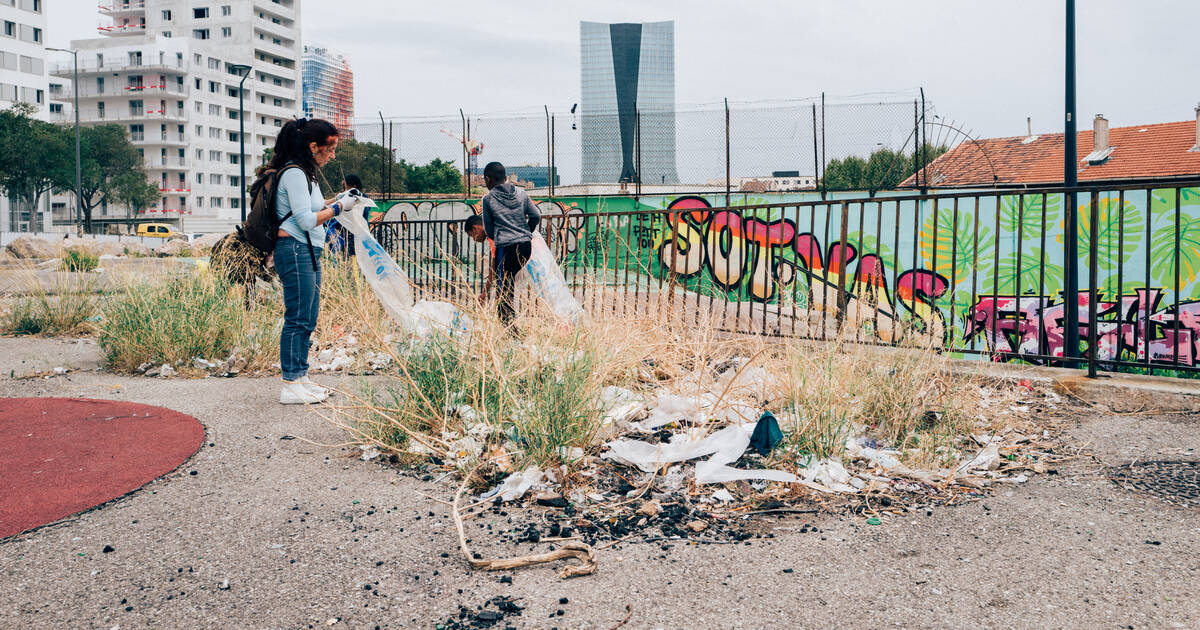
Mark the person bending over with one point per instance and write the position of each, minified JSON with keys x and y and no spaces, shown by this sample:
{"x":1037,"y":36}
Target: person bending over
{"x":509,"y":219}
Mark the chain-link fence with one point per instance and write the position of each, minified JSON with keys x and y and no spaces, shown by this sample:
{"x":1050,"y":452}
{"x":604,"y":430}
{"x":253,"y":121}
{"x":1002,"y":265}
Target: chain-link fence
{"x":743,"y":147}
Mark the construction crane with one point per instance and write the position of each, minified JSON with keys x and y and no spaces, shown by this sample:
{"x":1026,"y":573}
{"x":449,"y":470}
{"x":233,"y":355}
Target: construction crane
{"x":474,"y":149}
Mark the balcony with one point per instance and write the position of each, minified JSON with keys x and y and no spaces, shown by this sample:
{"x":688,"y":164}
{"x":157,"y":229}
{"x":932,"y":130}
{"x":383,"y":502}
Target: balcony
{"x":118,"y":30}
{"x":169,"y":164}
{"x":122,"y":9}
{"x":149,"y":115}
{"x":158,"y":139}
{"x":67,"y":95}
{"x":67,"y":70}
{"x":269,"y":27}
{"x":175,"y":191}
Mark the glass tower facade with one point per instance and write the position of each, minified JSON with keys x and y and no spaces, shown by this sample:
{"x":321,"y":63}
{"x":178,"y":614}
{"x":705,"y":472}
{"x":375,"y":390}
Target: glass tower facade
{"x":627,"y":102}
{"x":328,"y":87}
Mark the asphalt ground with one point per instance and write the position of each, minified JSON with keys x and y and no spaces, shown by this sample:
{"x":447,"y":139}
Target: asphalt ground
{"x":286,"y":533}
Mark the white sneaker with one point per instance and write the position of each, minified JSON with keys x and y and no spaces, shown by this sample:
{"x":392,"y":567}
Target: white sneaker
{"x":312,"y":387}
{"x":295,"y":393}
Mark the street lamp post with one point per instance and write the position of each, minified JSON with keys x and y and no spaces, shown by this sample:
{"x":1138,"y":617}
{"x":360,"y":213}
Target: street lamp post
{"x":245,"y":70}
{"x":1070,"y":180}
{"x":78,"y":169}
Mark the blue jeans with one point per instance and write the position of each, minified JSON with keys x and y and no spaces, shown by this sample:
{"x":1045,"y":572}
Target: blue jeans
{"x":301,"y":303}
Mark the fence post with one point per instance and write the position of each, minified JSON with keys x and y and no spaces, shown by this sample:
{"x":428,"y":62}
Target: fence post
{"x":728,"y":176}
{"x":466,"y":171}
{"x":553,"y":149}
{"x":824,"y":188}
{"x":382,"y":162}
{"x":816,"y":171}
{"x":1093,"y":280}
{"x":388,"y":157}
{"x":841,"y":263}
{"x":546,"y":108}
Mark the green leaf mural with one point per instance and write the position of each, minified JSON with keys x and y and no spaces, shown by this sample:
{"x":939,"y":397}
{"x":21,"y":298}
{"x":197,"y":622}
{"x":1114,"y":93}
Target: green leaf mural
{"x":1030,"y":272}
{"x":1109,"y":237}
{"x":1029,"y":215}
{"x":954,"y":261}
{"x":1163,"y":252}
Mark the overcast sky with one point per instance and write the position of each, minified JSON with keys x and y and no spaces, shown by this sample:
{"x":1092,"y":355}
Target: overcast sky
{"x":985,"y":63}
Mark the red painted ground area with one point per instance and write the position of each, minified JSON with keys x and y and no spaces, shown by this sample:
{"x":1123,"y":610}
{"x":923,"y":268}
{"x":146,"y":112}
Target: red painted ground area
{"x":60,"y":456}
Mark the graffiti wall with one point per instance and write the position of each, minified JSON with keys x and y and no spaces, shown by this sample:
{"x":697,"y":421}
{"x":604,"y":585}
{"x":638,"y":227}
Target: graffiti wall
{"x":978,"y":273}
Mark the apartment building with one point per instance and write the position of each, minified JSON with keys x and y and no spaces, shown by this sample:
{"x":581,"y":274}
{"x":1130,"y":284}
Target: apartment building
{"x":22,"y":80}
{"x":169,"y":72}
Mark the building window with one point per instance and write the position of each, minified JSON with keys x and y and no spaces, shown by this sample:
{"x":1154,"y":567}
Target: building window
{"x":199,"y":59}
{"x":100,"y":109}
{"x":136,"y":108}
{"x":166,"y":33}
{"x":200,"y":33}
{"x":235,"y":203}
{"x":37,"y":35}
{"x":135,"y":58}
{"x":56,"y":108}
{"x":212,"y":87}
{"x":214,"y":64}
{"x":137,"y":132}
{"x":214,"y":179}
{"x":226,"y":32}
{"x":226,"y":10}
{"x":214,"y":110}
{"x":197,"y":84}
{"x":233,"y":158}
{"x":200,"y":13}
{"x":166,"y":15}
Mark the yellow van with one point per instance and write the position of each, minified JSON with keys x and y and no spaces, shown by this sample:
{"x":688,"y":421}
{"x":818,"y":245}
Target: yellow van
{"x":161,"y":230}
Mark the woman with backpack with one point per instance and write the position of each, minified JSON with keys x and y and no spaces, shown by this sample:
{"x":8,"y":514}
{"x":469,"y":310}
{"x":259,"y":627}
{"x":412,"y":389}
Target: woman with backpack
{"x":301,"y":149}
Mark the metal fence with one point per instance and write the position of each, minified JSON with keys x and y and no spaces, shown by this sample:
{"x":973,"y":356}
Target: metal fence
{"x":716,"y":146}
{"x":975,"y":274}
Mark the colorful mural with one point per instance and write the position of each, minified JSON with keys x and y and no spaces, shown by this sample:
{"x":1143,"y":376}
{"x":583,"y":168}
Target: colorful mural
{"x":975,"y":273}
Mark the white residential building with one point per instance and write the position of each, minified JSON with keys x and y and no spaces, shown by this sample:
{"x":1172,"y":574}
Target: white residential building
{"x":168,"y":71}
{"x":23,"y":80}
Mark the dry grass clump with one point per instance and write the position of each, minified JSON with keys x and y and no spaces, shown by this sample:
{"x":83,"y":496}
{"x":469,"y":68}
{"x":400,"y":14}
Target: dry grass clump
{"x":56,"y":303}
{"x":906,"y":398}
{"x":176,"y":320}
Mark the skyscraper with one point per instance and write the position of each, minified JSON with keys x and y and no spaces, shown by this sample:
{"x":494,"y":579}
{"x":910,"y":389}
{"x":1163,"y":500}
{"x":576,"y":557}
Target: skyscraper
{"x":627,"y":102}
{"x":328,"y":86}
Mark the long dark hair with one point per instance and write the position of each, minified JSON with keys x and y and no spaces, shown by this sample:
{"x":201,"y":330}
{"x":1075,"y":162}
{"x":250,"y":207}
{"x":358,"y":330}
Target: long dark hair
{"x":291,"y":145}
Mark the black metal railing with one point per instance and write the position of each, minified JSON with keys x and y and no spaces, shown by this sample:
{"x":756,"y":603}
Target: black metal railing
{"x":973,"y":273}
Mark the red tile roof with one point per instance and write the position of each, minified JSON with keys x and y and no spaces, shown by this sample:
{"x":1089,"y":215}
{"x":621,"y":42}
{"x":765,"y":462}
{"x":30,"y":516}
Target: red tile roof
{"x":1141,"y":152}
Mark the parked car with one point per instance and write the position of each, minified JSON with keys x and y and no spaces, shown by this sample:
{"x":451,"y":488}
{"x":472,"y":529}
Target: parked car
{"x":160,"y":230}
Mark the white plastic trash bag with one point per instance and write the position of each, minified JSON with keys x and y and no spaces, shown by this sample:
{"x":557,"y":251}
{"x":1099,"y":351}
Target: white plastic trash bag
{"x":386,"y":278}
{"x":441,"y":317}
{"x":546,"y":281}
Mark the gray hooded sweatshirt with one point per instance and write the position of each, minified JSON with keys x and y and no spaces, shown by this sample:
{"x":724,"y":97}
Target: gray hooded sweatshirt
{"x":509,"y":215}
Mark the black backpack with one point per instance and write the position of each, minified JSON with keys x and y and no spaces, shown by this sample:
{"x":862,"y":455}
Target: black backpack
{"x":261,"y":228}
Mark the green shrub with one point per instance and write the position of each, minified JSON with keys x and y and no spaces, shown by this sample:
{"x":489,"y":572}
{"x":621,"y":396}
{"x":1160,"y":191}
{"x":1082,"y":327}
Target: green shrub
{"x":190,"y":316}
{"x":80,"y":260}
{"x":60,"y":305}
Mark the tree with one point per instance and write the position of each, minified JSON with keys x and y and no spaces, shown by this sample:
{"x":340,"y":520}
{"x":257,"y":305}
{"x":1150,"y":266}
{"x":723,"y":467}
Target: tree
{"x":35,"y":156}
{"x":112,"y":172}
{"x":882,"y":170}
{"x":437,"y":177}
{"x":369,"y":161}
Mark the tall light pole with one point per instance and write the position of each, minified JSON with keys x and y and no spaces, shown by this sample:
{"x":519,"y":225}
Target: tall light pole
{"x":1070,"y":180}
{"x":78,"y":169}
{"x":245,"y":71}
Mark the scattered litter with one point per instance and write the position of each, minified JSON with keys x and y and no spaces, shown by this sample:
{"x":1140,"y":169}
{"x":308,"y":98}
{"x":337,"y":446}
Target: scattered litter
{"x":200,"y":363}
{"x":166,"y":371}
{"x":369,"y":452}
{"x":767,"y":434}
{"x":874,"y":520}
{"x":986,"y":459}
{"x":515,"y":486}
{"x":722,"y":495}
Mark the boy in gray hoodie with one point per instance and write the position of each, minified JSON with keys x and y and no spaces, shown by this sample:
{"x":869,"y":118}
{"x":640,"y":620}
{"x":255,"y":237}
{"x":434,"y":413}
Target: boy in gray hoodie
{"x":509,"y":219}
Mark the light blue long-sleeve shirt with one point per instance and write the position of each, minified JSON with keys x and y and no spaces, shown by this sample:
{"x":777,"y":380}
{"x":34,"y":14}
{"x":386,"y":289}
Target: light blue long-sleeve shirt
{"x":303,"y":199}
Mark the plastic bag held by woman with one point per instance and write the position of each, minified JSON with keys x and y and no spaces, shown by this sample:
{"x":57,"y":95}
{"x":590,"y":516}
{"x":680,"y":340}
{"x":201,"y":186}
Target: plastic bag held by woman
{"x":386,"y":278}
{"x":546,"y":279}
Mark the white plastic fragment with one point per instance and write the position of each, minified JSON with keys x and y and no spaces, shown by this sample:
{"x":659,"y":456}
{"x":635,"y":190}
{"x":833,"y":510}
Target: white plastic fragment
{"x":987,"y":459}
{"x":369,"y":452}
{"x":722,"y":495}
{"x":543,"y":276}
{"x":516,"y":485}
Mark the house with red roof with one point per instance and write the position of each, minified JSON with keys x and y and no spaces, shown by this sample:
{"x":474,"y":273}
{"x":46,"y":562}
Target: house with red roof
{"x":1162,"y":152}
